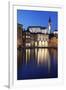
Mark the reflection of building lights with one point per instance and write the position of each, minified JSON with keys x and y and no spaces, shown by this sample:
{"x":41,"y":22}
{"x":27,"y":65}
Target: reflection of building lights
{"x":27,"y":55}
{"x":47,"y":57}
{"x":45,"y":54}
{"x":43,"y":57}
{"x":36,"y":53}
{"x":39,"y":56}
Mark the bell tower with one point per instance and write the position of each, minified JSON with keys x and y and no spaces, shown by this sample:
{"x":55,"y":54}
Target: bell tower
{"x":49,"y":25}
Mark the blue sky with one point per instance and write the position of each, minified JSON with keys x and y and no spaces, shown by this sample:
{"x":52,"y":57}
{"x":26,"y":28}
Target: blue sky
{"x":37,"y":18}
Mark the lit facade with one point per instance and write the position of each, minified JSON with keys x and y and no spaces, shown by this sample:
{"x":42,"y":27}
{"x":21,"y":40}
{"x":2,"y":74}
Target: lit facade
{"x":37,"y":36}
{"x":19,"y":35}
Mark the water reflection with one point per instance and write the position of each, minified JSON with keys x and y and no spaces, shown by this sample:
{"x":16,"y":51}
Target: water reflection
{"x":37,"y":63}
{"x":27,"y":55}
{"x":43,"y":56}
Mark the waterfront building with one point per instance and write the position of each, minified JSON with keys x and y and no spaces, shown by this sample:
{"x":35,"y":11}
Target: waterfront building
{"x":38,"y":29}
{"x":37,"y":36}
{"x":19,"y":35}
{"x":28,"y":36}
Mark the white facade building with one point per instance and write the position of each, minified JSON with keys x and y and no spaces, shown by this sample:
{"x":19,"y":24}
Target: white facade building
{"x":45,"y":31}
{"x":38,"y":29}
{"x":35,"y":29}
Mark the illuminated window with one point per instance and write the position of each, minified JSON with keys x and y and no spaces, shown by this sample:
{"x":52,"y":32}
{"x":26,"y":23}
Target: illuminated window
{"x":35,"y":43}
{"x":27,"y":36}
{"x":40,"y":44}
{"x":45,"y":43}
{"x":27,"y":44}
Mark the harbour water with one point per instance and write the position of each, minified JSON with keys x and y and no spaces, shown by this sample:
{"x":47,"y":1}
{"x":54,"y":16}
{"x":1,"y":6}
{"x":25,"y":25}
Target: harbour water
{"x":37,"y":63}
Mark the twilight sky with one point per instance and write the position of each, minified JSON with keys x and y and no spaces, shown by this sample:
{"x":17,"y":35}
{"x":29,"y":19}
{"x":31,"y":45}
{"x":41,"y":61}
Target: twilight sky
{"x":37,"y":18}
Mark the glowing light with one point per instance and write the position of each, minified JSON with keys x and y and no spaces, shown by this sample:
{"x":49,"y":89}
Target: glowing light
{"x":45,"y":43}
{"x":35,"y":43}
{"x":46,"y":54}
{"x":36,"y":53}
{"x":39,"y":56}
{"x":27,"y":44}
{"x":40,"y":44}
{"x":27,"y":55}
{"x":43,"y":57}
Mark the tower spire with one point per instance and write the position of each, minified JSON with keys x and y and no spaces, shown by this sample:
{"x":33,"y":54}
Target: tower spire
{"x":49,"y":20}
{"x":49,"y":25}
